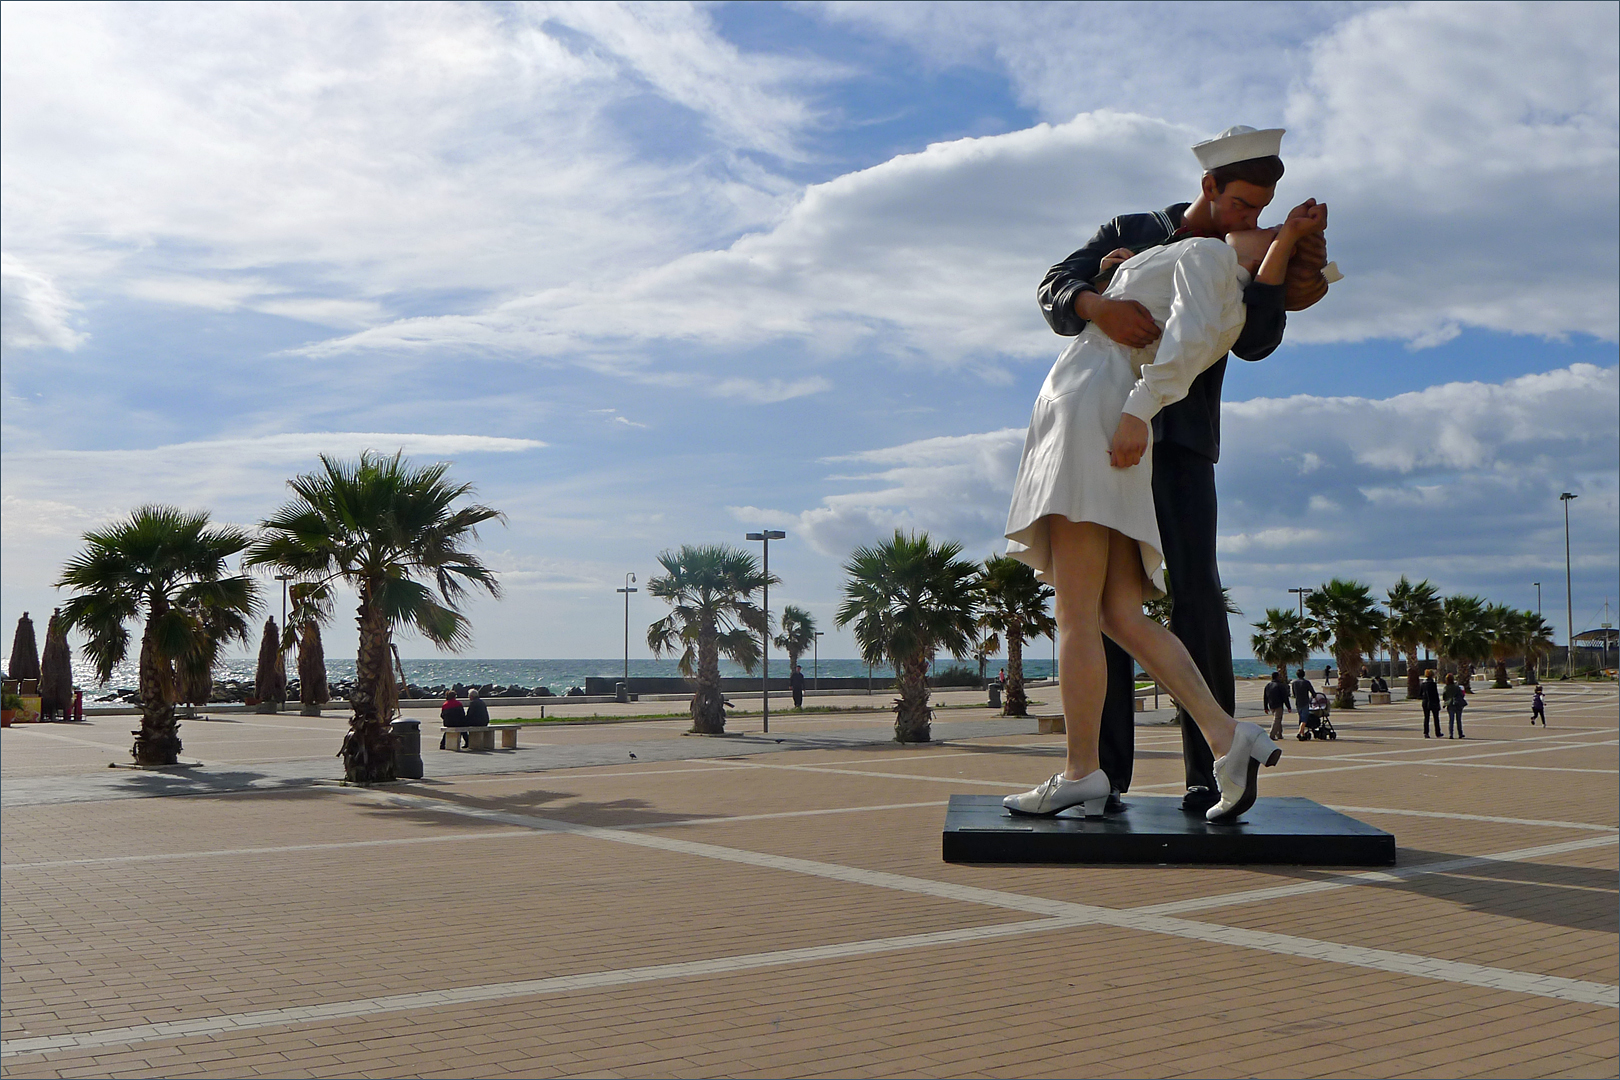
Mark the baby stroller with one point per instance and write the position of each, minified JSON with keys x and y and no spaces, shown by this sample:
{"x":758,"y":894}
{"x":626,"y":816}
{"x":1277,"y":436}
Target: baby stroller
{"x":1318,"y":724}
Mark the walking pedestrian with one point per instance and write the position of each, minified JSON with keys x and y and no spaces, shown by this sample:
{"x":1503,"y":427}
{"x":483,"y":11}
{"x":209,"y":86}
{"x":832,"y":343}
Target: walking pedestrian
{"x":1538,"y":707}
{"x":1429,"y":695}
{"x":796,"y":684}
{"x":1276,"y":701}
{"x":1303,"y":692}
{"x":1456,"y":700}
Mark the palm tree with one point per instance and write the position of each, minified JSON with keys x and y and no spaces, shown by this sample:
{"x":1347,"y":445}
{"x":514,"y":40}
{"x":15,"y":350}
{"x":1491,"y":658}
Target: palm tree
{"x":381,"y":524}
{"x":270,"y":678}
{"x":710,"y":589}
{"x":194,"y":672}
{"x":24,"y":660}
{"x":311,"y":606}
{"x":1285,"y":638}
{"x":1349,"y":614}
{"x":798,"y":633}
{"x":1536,"y":644}
{"x":165,"y":566}
{"x":1464,"y":633}
{"x":1415,"y":616}
{"x":909,"y":598}
{"x":1013,"y":608}
{"x":1160,"y":608}
{"x":1505,"y":626}
{"x":56,"y":671}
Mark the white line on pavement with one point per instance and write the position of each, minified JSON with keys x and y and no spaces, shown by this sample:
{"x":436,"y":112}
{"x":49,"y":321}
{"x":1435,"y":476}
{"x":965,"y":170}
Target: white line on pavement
{"x":1284,"y":944}
{"x":465,"y":995}
{"x":523,"y":834}
{"x":1058,"y":915}
{"x":1474,"y":817}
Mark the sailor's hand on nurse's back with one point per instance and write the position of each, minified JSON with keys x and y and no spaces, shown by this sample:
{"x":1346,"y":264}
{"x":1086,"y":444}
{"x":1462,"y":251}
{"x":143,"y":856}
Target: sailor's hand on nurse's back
{"x":1130,"y":441}
{"x":1115,"y":257}
{"x":1124,"y":321}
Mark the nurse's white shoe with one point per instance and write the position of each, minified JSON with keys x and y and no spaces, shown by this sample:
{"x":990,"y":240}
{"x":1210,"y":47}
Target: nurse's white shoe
{"x":1057,"y":794}
{"x":1238,"y":773}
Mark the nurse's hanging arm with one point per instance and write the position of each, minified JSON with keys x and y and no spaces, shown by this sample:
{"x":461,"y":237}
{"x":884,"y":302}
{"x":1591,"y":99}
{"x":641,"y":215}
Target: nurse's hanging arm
{"x":1205,"y":303}
{"x":1268,"y":318}
{"x":1205,"y":287}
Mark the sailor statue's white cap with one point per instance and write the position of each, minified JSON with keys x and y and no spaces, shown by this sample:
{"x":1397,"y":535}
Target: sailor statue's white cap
{"x":1238,"y":144}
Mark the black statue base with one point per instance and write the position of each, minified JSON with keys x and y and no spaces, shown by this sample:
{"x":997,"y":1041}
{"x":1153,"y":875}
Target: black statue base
{"x":1153,"y":829}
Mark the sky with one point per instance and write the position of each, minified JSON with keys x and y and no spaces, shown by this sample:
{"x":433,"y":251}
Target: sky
{"x":653,"y":275}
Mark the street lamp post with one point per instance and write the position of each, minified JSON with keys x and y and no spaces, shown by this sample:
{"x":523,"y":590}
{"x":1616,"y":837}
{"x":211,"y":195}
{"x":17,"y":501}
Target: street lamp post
{"x":766,"y":536}
{"x":1569,"y":599}
{"x":284,"y":578}
{"x":1537,"y":584}
{"x":1301,"y":593}
{"x":627,"y":590}
{"x":816,"y":661}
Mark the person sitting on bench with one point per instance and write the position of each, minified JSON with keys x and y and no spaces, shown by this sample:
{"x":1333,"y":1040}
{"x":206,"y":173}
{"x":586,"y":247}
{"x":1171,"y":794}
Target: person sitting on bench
{"x":452,"y":714}
{"x":477,"y":711}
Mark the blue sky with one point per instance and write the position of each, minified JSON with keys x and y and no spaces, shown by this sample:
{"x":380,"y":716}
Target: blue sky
{"x":662,"y":274}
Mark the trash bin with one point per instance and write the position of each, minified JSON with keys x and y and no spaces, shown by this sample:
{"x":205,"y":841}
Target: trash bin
{"x":621,"y":692}
{"x":995,"y":695}
{"x":407,"y":748}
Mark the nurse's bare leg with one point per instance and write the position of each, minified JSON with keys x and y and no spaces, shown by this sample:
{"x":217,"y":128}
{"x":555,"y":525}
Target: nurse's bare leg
{"x":1080,"y":554}
{"x":1155,"y":647}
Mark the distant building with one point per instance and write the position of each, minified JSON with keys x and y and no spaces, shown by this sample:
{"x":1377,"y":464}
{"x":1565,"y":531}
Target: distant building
{"x":1601,"y":647}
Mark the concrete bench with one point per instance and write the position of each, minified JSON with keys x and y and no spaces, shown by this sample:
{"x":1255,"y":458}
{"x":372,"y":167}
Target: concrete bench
{"x":1377,"y":698}
{"x":481,"y":738}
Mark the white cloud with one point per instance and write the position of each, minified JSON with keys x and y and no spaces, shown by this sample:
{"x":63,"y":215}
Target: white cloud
{"x":1265,"y":539}
{"x":953,"y":486}
{"x":34,"y":313}
{"x":239,"y":477}
{"x":362,"y":151}
{"x":1458,"y":483}
{"x":769,"y":391}
{"x":675,"y":48}
{"x":1211,"y":64}
{"x":930,"y":255}
{"x":1501,"y":218}
{"x":1474,"y":199}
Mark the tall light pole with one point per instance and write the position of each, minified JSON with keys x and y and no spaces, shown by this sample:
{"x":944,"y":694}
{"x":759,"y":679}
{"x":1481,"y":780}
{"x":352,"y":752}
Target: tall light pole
{"x":284,"y":578}
{"x":627,"y":590}
{"x":1301,"y":593}
{"x":767,"y":535}
{"x":816,"y":645}
{"x":1537,"y":584}
{"x":1569,"y":600}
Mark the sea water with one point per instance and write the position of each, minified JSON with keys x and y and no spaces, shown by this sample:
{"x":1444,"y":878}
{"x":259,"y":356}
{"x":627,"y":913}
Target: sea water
{"x":558,"y":675}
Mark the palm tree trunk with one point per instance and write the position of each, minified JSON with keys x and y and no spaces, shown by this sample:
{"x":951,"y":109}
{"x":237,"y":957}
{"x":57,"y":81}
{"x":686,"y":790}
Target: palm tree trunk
{"x":368,"y":748}
{"x":159,"y":740}
{"x":1017,"y":701}
{"x":312,"y":689}
{"x":708,"y":704}
{"x":912,"y":715}
{"x":1501,"y":673}
{"x":1413,"y":677}
{"x":1349,"y":666}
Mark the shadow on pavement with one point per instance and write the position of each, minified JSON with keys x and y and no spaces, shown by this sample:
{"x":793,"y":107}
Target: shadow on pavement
{"x":1574,"y":897}
{"x":203,"y":782}
{"x":604,"y":814}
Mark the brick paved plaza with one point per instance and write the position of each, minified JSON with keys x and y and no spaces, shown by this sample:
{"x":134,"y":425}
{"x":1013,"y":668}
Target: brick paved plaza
{"x":767,"y":906}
